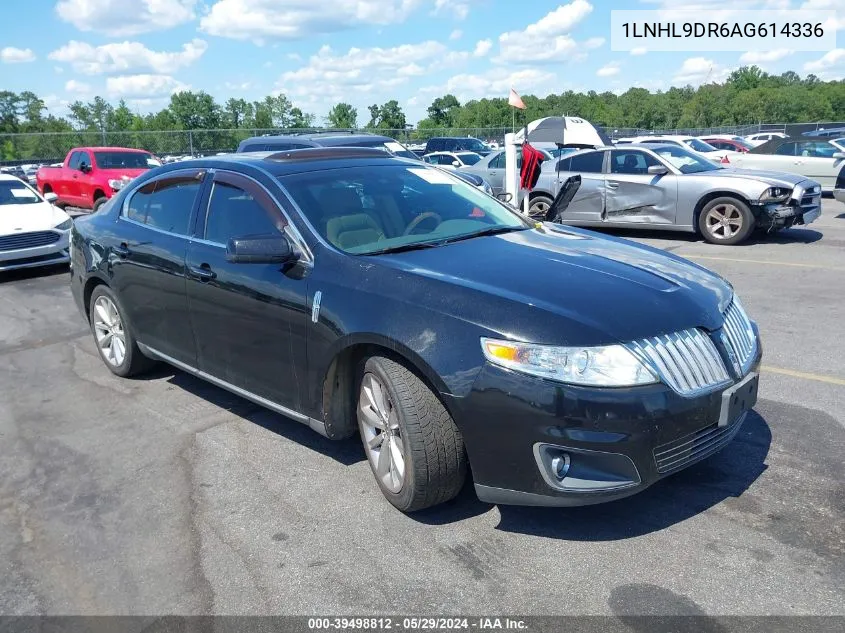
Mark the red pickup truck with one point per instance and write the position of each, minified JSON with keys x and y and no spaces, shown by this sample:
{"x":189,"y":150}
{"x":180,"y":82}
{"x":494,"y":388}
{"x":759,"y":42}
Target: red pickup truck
{"x":91,"y":175}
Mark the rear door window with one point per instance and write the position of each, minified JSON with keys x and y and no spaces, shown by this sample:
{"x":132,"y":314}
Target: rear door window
{"x":787,"y":149}
{"x":165,"y":204}
{"x":589,"y":163}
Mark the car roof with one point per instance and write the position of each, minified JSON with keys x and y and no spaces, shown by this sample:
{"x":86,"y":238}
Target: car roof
{"x":7,"y":176}
{"x":285,"y":162}
{"x":325,"y":139}
{"x":111,"y":149}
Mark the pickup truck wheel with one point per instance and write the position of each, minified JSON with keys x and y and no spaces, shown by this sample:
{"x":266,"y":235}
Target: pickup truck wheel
{"x":726,"y":220}
{"x":98,"y":203}
{"x":414,"y":448}
{"x":113,"y":336}
{"x":539,"y":206}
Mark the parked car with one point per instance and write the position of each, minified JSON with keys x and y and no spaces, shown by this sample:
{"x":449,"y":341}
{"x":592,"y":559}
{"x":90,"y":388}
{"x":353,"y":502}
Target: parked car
{"x":90,"y":176}
{"x":829,"y":132}
{"x":492,"y":167}
{"x":839,"y":188}
{"x":33,"y":232}
{"x":16,"y":171}
{"x":667,"y":187}
{"x":689,"y":142}
{"x":815,"y":158}
{"x":763,"y":137}
{"x":353,"y":292}
{"x":456,"y":144}
{"x":452,"y":160}
{"x":731,"y":144}
{"x":324,"y":139}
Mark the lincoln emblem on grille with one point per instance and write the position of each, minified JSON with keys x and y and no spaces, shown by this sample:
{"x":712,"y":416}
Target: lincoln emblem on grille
{"x":731,"y":355}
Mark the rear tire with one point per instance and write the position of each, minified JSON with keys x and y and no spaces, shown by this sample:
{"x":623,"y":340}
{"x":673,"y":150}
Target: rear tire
{"x":113,"y":335}
{"x":726,"y":220}
{"x":415,"y":450}
{"x":98,"y":203}
{"x":538,"y":207}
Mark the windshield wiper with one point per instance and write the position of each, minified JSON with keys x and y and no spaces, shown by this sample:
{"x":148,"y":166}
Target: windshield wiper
{"x":401,"y":248}
{"x":493,"y":230}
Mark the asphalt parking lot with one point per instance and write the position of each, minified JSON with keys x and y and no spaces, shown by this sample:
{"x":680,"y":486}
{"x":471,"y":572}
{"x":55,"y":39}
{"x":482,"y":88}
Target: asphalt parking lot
{"x":166,"y":495}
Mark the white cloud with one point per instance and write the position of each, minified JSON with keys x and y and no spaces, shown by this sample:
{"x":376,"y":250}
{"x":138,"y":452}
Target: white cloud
{"x":259,"y":20}
{"x":829,"y":65}
{"x":125,"y":17}
{"x":838,"y":6}
{"x":55,"y":105}
{"x":763,"y":57}
{"x":12,"y":55}
{"x":594,"y":42}
{"x":482,"y":48}
{"x":458,"y":8}
{"x":456,"y":34}
{"x":547,"y":40}
{"x":77,"y":87}
{"x":143,"y":86}
{"x":126,"y":56}
{"x":639,"y":50}
{"x":698,"y":70}
{"x":608,"y":70}
{"x":233,"y":85}
{"x":328,"y":76}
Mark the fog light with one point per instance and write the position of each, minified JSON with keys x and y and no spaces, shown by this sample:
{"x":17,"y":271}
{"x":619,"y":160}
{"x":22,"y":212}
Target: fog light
{"x":560,"y":465}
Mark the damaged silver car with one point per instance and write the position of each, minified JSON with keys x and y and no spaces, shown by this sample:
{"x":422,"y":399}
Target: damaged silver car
{"x":667,"y":187}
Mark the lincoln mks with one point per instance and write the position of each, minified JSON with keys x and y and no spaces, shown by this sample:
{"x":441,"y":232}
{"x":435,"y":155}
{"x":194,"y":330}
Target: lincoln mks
{"x":359,"y":292}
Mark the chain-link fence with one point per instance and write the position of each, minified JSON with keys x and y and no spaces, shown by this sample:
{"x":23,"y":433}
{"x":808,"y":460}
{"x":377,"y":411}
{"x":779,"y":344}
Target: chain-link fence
{"x":51,"y":147}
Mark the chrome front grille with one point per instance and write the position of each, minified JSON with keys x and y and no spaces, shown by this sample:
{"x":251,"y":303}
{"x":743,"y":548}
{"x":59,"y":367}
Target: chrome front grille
{"x":687,"y":361}
{"x":17,"y":241}
{"x":739,"y":335}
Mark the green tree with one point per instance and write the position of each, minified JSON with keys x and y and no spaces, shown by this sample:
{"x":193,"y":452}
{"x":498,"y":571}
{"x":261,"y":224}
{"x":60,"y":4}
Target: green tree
{"x":343,"y":115}
{"x":195,"y":110}
{"x":387,"y":117}
{"x":442,"y":110}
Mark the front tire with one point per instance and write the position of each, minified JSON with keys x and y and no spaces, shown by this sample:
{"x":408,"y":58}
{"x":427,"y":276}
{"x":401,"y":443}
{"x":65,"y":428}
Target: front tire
{"x":98,"y":203}
{"x":726,"y":220}
{"x":113,"y":336}
{"x":415,"y":450}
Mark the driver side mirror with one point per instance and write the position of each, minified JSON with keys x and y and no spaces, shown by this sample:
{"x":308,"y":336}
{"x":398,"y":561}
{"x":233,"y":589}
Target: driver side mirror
{"x":839,"y":155}
{"x":261,"y":250}
{"x":456,"y":163}
{"x":658,"y":170}
{"x":50,"y":197}
{"x":84,"y":168}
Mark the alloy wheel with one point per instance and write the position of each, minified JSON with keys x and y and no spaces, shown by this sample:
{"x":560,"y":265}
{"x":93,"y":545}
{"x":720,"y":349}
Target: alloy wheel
{"x":108,"y":330}
{"x":538,"y":209}
{"x":379,"y":422}
{"x":723,"y":221}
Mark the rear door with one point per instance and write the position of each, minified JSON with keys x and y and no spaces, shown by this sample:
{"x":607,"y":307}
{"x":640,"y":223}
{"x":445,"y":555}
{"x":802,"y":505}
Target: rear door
{"x":495,"y":172}
{"x":635,"y":196}
{"x":149,"y":261}
{"x":814,"y":159}
{"x":588,"y":203}
{"x":249,"y":320}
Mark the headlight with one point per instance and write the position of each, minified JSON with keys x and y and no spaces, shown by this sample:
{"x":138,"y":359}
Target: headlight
{"x":776,"y":194}
{"x":608,"y":366}
{"x":64,"y":226}
{"x":118,"y":183}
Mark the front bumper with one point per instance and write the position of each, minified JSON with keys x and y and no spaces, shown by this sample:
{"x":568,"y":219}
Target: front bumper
{"x":48,"y":255}
{"x":617,"y":442}
{"x":803,"y":207}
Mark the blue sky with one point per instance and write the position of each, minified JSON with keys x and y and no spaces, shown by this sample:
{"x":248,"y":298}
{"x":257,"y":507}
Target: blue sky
{"x":319,"y":52}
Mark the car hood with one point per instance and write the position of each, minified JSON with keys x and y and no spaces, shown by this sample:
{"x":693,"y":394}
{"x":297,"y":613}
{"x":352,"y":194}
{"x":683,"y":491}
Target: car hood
{"x":22,"y":218}
{"x":773,"y":178}
{"x":594,"y":288}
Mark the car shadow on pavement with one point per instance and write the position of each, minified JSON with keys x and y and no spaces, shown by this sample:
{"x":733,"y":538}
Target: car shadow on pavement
{"x":26,"y":274}
{"x":347,"y":452}
{"x":726,"y":474}
{"x":796,"y":235}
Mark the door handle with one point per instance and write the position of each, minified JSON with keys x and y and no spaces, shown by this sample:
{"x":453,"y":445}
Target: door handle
{"x":612,"y":185}
{"x":121,"y":251}
{"x":203,"y":272}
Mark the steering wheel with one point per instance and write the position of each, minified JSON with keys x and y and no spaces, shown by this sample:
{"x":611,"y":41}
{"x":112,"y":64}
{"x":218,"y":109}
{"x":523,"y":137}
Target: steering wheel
{"x":421,"y":217}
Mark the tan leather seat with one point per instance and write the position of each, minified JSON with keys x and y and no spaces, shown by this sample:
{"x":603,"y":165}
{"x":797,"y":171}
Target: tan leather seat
{"x":349,"y":231}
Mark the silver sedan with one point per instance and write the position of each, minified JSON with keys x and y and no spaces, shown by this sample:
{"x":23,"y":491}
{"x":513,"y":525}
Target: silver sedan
{"x":670,"y":188}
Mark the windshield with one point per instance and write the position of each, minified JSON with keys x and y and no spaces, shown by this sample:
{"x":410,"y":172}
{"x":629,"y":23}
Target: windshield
{"x":125,"y":160}
{"x":684,"y":160}
{"x":15,"y":192}
{"x":367,"y":210}
{"x":469,"y":158}
{"x":699,"y":145}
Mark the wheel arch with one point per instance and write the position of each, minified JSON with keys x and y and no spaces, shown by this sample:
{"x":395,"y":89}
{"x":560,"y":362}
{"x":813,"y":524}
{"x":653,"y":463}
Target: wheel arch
{"x":712,"y":195}
{"x":98,"y":193}
{"x":88,"y":289}
{"x":340,"y":375}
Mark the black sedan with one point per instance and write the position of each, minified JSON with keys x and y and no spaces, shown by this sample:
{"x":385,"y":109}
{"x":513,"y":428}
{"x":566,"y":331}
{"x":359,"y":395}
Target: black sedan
{"x":351,"y":290}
